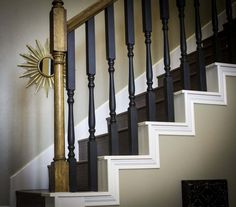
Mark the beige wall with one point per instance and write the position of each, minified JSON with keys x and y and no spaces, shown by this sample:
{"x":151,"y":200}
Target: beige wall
{"x":26,"y":120}
{"x":208,"y":155}
{"x":23,"y":129}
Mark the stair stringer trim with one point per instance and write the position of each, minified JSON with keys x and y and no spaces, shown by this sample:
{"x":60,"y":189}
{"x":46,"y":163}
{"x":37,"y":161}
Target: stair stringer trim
{"x":149,"y":158}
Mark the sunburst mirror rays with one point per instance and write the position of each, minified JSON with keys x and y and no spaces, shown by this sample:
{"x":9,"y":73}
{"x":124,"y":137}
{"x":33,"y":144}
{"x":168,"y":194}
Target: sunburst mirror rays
{"x":39,"y":67}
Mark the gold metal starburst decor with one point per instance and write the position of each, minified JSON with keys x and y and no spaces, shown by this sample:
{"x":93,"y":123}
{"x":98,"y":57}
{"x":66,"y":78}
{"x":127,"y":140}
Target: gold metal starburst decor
{"x":39,"y":67}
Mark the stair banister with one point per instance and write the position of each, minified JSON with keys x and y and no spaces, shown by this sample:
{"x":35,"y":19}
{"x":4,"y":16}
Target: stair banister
{"x":58,"y":40}
{"x":87,"y":17}
{"x":87,"y":14}
{"x":63,"y":174}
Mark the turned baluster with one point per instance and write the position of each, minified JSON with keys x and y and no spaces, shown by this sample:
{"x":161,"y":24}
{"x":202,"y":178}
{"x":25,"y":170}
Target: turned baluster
{"x":183,"y":47}
{"x":229,"y":13}
{"x":168,"y":83}
{"x":202,"y":86}
{"x":215,"y":28}
{"x":132,"y":110}
{"x":230,"y":29}
{"x":70,"y":87}
{"x":91,"y":71}
{"x":110,"y":56}
{"x":147,"y":29}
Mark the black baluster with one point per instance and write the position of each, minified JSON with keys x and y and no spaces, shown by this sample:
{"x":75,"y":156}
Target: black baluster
{"x":111,"y":55}
{"x":215,"y":28}
{"x":230,"y":29}
{"x":147,"y":29}
{"x":200,"y":56}
{"x":132,"y":110}
{"x":70,"y":87}
{"x":229,"y":13}
{"x":91,"y":71}
{"x":168,"y":83}
{"x":183,"y":47}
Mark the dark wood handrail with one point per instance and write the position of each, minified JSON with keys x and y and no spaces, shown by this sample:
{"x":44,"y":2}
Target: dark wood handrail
{"x":86,"y":14}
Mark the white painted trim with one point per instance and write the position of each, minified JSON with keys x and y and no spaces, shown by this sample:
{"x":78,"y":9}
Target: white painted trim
{"x":34,"y":174}
{"x":149,"y":142}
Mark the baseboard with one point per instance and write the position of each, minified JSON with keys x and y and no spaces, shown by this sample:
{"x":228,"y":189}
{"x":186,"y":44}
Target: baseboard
{"x":34,"y":174}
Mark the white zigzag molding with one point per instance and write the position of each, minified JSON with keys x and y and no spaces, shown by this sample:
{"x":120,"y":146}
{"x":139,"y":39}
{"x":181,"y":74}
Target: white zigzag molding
{"x":149,"y":132}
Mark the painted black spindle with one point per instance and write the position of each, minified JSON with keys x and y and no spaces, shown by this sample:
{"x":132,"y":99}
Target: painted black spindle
{"x":215,"y":28}
{"x":132,"y":110}
{"x":91,"y":71}
{"x":70,"y":87}
{"x":168,"y":82}
{"x":183,"y":47}
{"x":200,"y":56}
{"x":230,"y":29}
{"x":147,"y":29}
{"x":229,"y":13}
{"x":111,"y":55}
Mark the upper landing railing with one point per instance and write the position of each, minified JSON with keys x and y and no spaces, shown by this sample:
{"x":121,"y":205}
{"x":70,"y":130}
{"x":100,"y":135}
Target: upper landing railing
{"x":62,"y":42}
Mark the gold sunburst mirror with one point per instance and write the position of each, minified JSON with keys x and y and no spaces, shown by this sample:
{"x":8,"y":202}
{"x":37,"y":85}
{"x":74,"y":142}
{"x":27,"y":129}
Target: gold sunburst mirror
{"x":39,"y":67}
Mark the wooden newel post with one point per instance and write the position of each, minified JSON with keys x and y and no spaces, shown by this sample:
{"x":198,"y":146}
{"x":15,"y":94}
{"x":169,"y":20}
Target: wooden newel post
{"x":58,"y":46}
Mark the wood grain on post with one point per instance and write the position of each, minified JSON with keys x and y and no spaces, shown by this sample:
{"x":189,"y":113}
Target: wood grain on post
{"x":58,"y":42}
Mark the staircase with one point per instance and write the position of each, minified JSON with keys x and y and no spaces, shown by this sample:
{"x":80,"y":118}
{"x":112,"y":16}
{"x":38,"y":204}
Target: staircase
{"x":102,"y":188}
{"x":122,"y":119}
